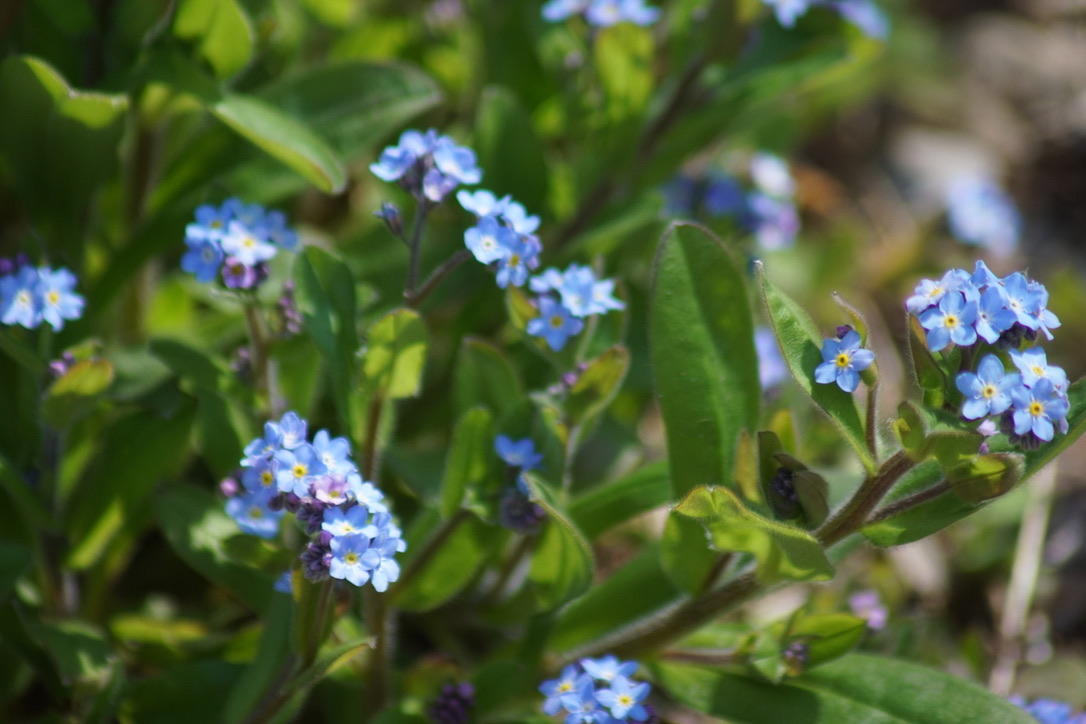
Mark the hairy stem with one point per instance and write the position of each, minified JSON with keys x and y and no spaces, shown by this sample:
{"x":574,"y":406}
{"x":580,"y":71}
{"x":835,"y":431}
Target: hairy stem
{"x":900,"y":506}
{"x":851,"y":517}
{"x":872,"y":420}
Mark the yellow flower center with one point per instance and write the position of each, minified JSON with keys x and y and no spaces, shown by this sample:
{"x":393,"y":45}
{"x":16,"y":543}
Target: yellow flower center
{"x":514,"y":259}
{"x":256,"y":512}
{"x":556,"y":322}
{"x":266,"y":478}
{"x":951,"y":321}
{"x":350,"y":559}
{"x":1037,"y":371}
{"x":842,"y":359}
{"x":1036,"y":408}
{"x":988,"y":391}
{"x":300,"y":470}
{"x":53,"y":296}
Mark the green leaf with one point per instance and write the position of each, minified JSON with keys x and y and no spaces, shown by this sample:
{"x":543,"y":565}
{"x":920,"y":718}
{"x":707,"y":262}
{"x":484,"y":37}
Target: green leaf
{"x":284,"y":138}
{"x":509,"y":150}
{"x":929,"y":375}
{"x":484,"y":376}
{"x":986,"y":477}
{"x":395,"y":354}
{"x":186,"y":693}
{"x":454,"y":564}
{"x":910,"y":430}
{"x":136,"y":454}
{"x":781,"y":551}
{"x":925,"y":518}
{"x":801,"y":345}
{"x":470,"y":459}
{"x":79,"y":651}
{"x":702,"y":343}
{"x":76,"y":392}
{"x":623,"y":58}
{"x":60,"y":146}
{"x":685,"y":554}
{"x":329,"y":662}
{"x":605,"y":507}
{"x":262,"y":671}
{"x":1076,"y":425}
{"x":562,"y":561}
{"x":221,"y":31}
{"x":635,"y":591}
{"x":597,"y":385}
{"x":827,"y":636}
{"x":856,"y":688}
{"x":197,"y":527}
{"x":325,"y":296}
{"x":15,"y":560}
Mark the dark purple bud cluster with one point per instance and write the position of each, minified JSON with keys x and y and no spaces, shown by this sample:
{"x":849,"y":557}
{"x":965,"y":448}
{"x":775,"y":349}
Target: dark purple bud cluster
{"x":453,"y":705}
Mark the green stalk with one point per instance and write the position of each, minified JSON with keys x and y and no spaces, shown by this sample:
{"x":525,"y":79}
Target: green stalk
{"x":853,"y":516}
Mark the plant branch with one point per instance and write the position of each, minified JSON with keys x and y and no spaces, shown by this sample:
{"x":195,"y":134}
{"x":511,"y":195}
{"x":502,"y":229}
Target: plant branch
{"x":855,"y":512}
{"x":900,"y":506}
{"x":872,"y":420}
{"x":439,"y":274}
{"x":414,"y":247}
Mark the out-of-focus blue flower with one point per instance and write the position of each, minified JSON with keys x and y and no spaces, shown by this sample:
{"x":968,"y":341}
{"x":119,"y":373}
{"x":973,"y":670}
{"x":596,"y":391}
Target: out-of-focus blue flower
{"x":482,"y":202}
{"x":454,"y":705}
{"x":395,"y":161}
{"x":842,"y":361}
{"x":252,"y":513}
{"x":203,"y":259}
{"x":771,"y":367}
{"x":597,"y":691}
{"x":19,"y":301}
{"x":518,"y":512}
{"x":285,"y":583}
{"x":624,"y":699}
{"x":292,"y":429}
{"x":335,"y":452}
{"x":518,"y":217}
{"x":867,"y":605}
{"x":521,"y":255}
{"x":929,"y":292}
{"x":518,"y":453}
{"x":427,"y":165}
{"x":582,"y":294}
{"x":608,"y":668}
{"x":1050,"y":711}
{"x":242,"y":243}
{"x":788,"y":11}
{"x":349,"y":561}
{"x":244,"y":235}
{"x":680,"y":196}
{"x":555,"y":689}
{"x":775,"y":221}
{"x":582,"y":705}
{"x":380,"y":558}
{"x":557,"y":10}
{"x":601,"y":13}
{"x":724,"y":196}
{"x":554,"y":324}
{"x":865,"y":15}
{"x":264,"y":447}
{"x":771,"y":175}
{"x":261,"y":475}
{"x":297,"y":467}
{"x":979,"y":212}
{"x":951,"y":321}
{"x":1046,"y":320}
{"x":988,"y":392}
{"x":59,"y":302}
{"x":1038,"y":409}
{"x":341,"y":522}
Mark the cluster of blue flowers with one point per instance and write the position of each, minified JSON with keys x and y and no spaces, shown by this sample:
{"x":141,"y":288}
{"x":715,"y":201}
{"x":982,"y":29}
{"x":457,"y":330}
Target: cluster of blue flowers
{"x":602,"y":13}
{"x":427,"y":165}
{"x":766,"y":207}
{"x":503,"y":235}
{"x":1050,"y":711}
{"x":843,"y":359}
{"x":355,"y":538}
{"x":597,"y":691}
{"x":566,"y":299}
{"x":864,"y":14}
{"x":517,"y":511}
{"x":965,"y":309}
{"x":981,"y":213}
{"x":237,"y":239}
{"x":30,"y":296}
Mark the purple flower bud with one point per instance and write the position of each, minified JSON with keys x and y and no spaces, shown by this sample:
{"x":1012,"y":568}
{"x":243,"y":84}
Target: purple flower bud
{"x":59,"y":367}
{"x":392,"y":218}
{"x":453,"y":705}
{"x":229,"y":487}
{"x":316,"y":560}
{"x":842,"y":330}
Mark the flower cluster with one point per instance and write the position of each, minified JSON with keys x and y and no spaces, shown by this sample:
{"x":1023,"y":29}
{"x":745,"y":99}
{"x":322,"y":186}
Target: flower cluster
{"x":843,"y":360}
{"x":602,"y":13}
{"x":765,"y":207}
{"x":566,"y":299}
{"x":30,"y":296}
{"x":597,"y":691}
{"x":427,"y":165}
{"x":236,"y":239}
{"x":961,"y":307}
{"x":864,"y":14}
{"x":1050,"y":711}
{"x":355,"y":538}
{"x":503,"y":236}
{"x":980,"y":213}
{"x":965,"y":309}
{"x":454,"y":705}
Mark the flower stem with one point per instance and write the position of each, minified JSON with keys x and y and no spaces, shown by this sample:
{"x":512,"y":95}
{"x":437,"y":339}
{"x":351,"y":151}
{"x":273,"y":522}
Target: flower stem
{"x":439,"y":274}
{"x":378,"y":624}
{"x":524,"y":545}
{"x":900,"y":506}
{"x":319,"y":624}
{"x":872,"y":420}
{"x":853,"y":516}
{"x":415,"y":248}
{"x":432,"y":545}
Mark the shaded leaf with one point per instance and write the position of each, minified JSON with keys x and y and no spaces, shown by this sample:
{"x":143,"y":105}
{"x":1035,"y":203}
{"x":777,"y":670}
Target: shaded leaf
{"x":76,"y":392}
{"x":604,"y":507}
{"x":509,"y":149}
{"x":686,"y":555}
{"x":395,"y":354}
{"x":562,"y":562}
{"x":597,"y":385}
{"x":986,"y":477}
{"x":484,"y":376}
{"x":469,"y":461}
{"x":221,"y":31}
{"x":453,"y":565}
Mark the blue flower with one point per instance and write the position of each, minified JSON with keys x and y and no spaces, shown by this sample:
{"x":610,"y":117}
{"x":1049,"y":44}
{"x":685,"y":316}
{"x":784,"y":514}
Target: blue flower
{"x":558,"y":10}
{"x":19,"y":301}
{"x":292,"y":430}
{"x":518,"y":453}
{"x":1046,"y":320}
{"x":335,"y":453}
{"x":379,"y":558}
{"x":843,"y":360}
{"x":951,"y":321}
{"x":1033,"y":364}
{"x":1050,"y":711}
{"x":775,"y":221}
{"x":988,"y":392}
{"x":395,"y":161}
{"x":582,"y":705}
{"x":1037,"y":409}
{"x":331,"y":488}
{"x":243,"y":243}
{"x":608,"y":668}
{"x":253,"y":515}
{"x":341,"y":522}
{"x":555,"y":689}
{"x":771,"y":175}
{"x":366,"y":494}
{"x":725,"y":197}
{"x":605,"y":13}
{"x":264,"y":447}
{"x":583,"y":295}
{"x":285,"y":583}
{"x":771,"y":367}
{"x":1023,"y":300}
{"x":554,"y":324}
{"x":929,"y":293}
{"x":349,"y":561}
{"x":865,"y":15}
{"x":624,"y":699}
{"x":521,"y":254}
{"x":488,"y":240}
{"x":58,"y":300}
{"x":297,"y":467}
{"x":203,"y":258}
{"x":518,"y":218}
{"x":481,"y":203}
{"x":262,"y":474}
{"x":993,"y":317}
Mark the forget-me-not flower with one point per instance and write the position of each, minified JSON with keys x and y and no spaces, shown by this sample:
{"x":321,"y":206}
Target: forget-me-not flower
{"x":843,"y":360}
{"x":988,"y":392}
